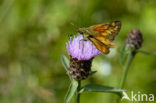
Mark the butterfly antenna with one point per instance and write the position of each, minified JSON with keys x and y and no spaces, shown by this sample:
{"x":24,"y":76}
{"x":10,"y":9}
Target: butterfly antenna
{"x":69,"y":35}
{"x":74,"y":25}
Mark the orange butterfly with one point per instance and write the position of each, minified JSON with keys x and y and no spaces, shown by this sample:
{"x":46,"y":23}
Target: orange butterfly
{"x":101,"y":35}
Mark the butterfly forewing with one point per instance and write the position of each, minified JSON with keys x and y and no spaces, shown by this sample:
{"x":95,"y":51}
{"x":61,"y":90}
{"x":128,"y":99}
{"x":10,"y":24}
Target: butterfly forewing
{"x":108,"y":30}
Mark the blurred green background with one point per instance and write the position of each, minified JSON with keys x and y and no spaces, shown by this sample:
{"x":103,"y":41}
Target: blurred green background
{"x":33,"y":36}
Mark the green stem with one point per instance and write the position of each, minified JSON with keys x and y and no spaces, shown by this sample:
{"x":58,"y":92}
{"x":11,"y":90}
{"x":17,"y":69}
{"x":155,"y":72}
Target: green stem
{"x":126,"y":68}
{"x":78,"y":89}
{"x":125,"y":71}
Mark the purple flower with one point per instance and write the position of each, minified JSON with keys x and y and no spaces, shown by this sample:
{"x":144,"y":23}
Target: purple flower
{"x":80,"y":49}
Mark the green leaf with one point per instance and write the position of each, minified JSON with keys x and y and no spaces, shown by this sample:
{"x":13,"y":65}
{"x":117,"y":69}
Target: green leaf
{"x":72,"y":89}
{"x":101,"y":88}
{"x":92,"y":72}
{"x":147,"y":53}
{"x":65,"y":62}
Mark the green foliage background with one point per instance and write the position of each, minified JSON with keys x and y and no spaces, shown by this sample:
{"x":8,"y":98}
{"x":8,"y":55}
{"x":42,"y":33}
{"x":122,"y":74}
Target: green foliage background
{"x":33,"y":36}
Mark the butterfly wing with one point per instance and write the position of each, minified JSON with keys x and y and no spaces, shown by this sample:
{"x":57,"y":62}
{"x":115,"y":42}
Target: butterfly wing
{"x":108,"y":30}
{"x":104,"y":40}
{"x":102,"y":35}
{"x":99,"y":45}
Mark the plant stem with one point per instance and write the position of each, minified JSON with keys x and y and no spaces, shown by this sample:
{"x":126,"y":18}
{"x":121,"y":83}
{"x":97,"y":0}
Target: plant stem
{"x":125,"y":70}
{"x":78,"y":89}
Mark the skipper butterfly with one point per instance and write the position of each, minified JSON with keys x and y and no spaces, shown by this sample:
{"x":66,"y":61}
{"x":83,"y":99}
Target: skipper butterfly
{"x":101,"y":35}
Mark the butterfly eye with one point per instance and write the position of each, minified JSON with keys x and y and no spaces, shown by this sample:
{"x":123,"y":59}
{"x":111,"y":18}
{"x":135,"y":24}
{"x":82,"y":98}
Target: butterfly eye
{"x":80,"y":32}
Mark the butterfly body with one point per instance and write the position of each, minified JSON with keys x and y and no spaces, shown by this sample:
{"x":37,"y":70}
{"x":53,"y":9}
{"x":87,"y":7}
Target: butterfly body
{"x":101,"y":35}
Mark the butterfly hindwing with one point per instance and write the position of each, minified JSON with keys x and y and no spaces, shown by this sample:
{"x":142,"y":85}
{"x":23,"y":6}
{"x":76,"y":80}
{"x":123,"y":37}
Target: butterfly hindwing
{"x":99,"y":45}
{"x":104,"y":40}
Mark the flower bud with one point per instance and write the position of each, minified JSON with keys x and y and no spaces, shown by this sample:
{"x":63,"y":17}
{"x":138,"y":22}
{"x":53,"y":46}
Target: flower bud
{"x":134,"y":39}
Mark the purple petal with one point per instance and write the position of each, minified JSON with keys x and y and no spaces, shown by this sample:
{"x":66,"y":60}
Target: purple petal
{"x":80,"y":49}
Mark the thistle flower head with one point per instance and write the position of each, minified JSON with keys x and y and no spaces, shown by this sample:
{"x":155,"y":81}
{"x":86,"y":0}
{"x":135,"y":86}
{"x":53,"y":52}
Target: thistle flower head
{"x":81,"y":54}
{"x":134,"y":39}
{"x":80,"y":49}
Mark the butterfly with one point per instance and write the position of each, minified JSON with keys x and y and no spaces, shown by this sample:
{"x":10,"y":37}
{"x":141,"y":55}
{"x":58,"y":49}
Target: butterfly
{"x":101,"y":35}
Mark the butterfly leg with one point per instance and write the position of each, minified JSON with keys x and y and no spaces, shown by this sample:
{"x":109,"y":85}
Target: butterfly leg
{"x":82,"y":40}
